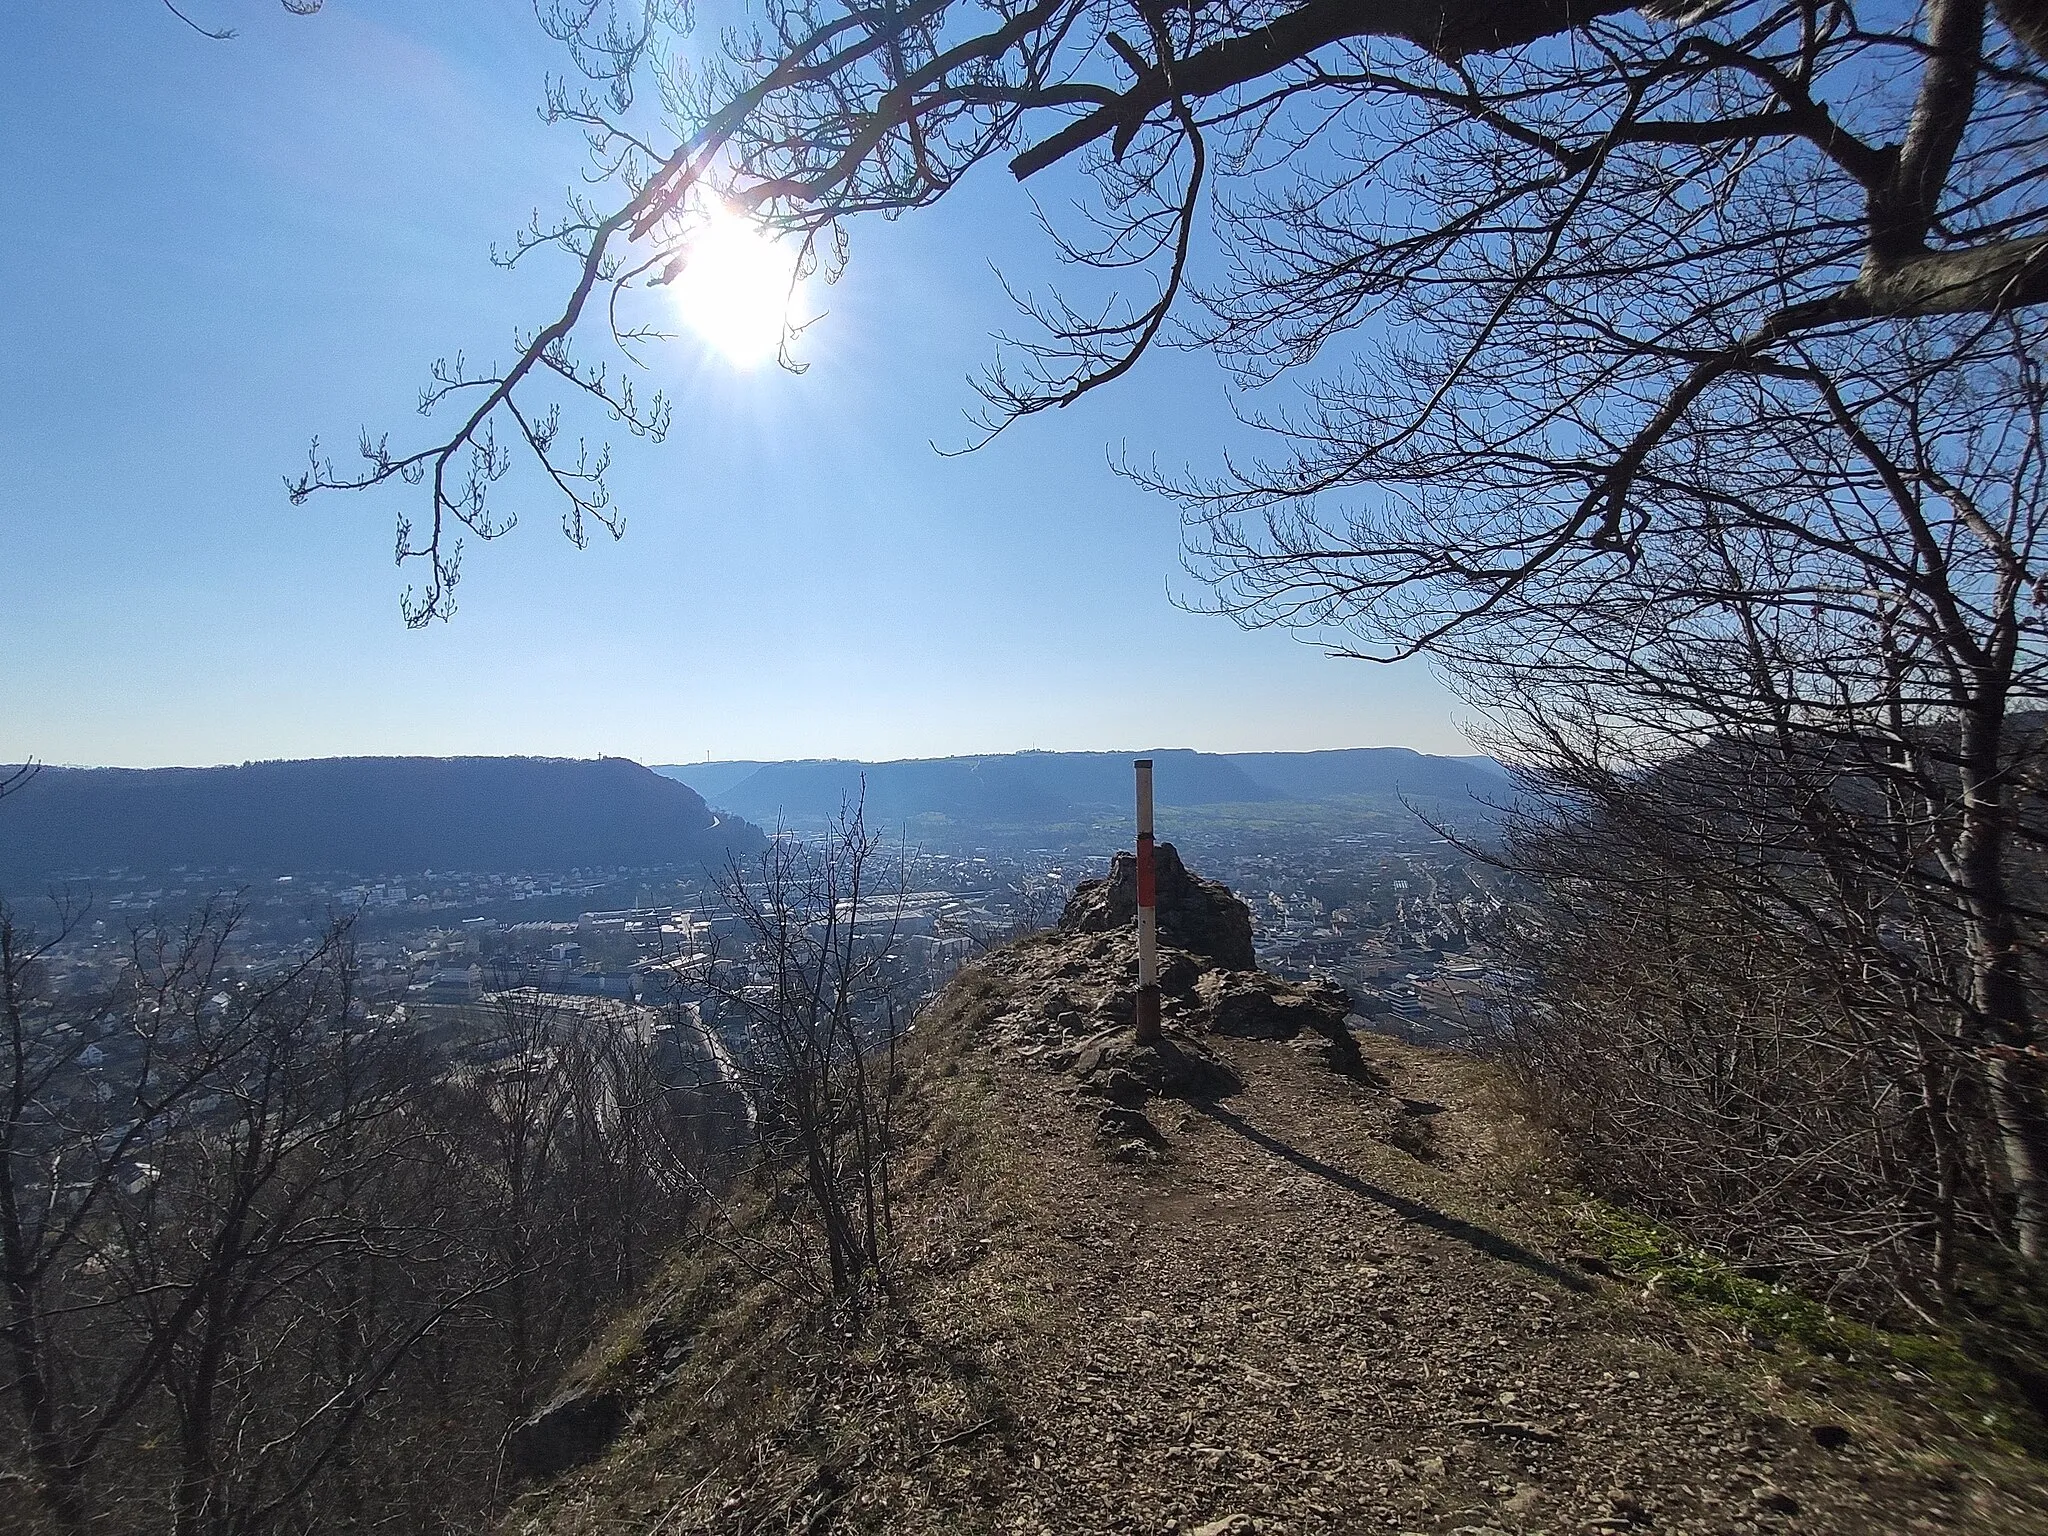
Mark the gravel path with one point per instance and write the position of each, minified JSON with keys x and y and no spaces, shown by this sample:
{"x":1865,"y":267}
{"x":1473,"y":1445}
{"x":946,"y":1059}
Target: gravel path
{"x":1279,"y":1322}
{"x":1290,"y":1325}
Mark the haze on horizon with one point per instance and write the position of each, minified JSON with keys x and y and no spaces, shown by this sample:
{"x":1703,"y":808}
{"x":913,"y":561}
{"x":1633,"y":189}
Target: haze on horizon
{"x":304,"y":223}
{"x":1455,"y":750}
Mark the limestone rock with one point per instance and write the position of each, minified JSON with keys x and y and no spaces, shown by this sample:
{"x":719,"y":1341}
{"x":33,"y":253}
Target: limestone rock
{"x":1175,"y":1068}
{"x":1255,"y":1006}
{"x":1128,"y":1127}
{"x":1252,"y":1006}
{"x":1197,"y":915}
{"x":573,"y":1429}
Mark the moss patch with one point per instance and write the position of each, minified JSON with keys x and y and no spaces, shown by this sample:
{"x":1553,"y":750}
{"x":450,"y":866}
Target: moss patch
{"x":1941,"y":1371}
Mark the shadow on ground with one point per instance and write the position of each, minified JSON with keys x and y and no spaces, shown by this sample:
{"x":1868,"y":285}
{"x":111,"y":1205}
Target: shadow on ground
{"x":1483,"y":1239}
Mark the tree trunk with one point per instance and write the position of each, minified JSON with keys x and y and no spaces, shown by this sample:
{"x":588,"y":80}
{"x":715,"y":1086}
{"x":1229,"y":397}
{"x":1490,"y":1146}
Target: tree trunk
{"x":1998,"y":990}
{"x":59,"y":1485}
{"x":60,"y":1480}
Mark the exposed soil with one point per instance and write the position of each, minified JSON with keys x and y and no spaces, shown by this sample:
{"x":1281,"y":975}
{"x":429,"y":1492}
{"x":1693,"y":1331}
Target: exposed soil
{"x":1325,"y":1304}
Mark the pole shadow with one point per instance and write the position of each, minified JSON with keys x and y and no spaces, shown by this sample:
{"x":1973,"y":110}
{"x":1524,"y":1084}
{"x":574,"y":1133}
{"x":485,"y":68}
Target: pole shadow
{"x":1483,"y":1239}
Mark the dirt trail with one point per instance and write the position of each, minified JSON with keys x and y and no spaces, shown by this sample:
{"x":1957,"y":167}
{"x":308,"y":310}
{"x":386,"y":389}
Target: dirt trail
{"x":1281,"y":1322}
{"x":1291,"y":1325}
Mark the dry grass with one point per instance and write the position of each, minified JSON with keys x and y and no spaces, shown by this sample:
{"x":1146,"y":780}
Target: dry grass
{"x":1315,"y":1336}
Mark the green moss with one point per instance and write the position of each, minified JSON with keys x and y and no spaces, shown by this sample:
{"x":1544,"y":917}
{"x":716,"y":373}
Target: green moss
{"x":1643,"y":1250}
{"x":1940,"y":1371}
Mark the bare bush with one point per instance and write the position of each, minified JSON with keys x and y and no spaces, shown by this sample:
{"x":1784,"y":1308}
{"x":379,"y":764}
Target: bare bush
{"x":191,"y":1166}
{"x":816,"y":1018}
{"x":573,"y":1171}
{"x":1760,"y":1030}
{"x":1715,"y":1067}
{"x":272,"y":1266}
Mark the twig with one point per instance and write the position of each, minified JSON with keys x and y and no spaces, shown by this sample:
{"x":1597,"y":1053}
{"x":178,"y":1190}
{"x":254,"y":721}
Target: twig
{"x":951,"y":1440}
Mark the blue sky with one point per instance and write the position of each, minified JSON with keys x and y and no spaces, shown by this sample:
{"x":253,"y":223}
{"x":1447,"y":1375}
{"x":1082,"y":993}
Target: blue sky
{"x":218,"y":250}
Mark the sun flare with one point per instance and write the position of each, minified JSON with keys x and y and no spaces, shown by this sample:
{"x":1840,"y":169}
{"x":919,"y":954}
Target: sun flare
{"x":734,"y":290}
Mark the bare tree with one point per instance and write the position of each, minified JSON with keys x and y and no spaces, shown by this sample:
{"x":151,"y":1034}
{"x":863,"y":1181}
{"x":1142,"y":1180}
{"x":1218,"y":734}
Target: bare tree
{"x":1709,"y":1068}
{"x":574,"y":1170}
{"x":1811,"y":718}
{"x":810,"y":1002}
{"x":63,"y":1172}
{"x":221,"y":34}
{"x":277,"y":1210}
{"x":17,"y":776}
{"x":1515,"y":255}
{"x":179,"y":1163}
{"x":270,"y":1264}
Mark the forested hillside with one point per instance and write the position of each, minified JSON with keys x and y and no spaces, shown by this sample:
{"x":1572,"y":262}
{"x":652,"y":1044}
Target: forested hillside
{"x":1019,"y":788}
{"x":365,"y":815}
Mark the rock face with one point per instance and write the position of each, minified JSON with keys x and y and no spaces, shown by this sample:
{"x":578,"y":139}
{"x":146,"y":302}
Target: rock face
{"x":1063,"y":1001}
{"x":1255,"y":1006}
{"x":1196,"y":915}
{"x":573,"y":1429}
{"x":1250,"y":1005}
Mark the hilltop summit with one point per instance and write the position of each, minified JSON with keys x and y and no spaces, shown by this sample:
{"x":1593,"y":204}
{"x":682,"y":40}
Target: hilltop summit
{"x":1267,"y":1278}
{"x":1197,"y":915}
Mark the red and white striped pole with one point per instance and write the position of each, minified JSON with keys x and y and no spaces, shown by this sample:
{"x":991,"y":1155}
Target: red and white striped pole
{"x":1148,"y":913}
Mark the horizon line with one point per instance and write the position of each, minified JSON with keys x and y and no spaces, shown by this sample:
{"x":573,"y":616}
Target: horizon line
{"x":653,"y":764}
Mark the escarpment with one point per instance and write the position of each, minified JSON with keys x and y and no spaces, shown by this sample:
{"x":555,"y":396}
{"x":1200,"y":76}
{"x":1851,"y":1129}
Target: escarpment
{"x":1070,"y":1000}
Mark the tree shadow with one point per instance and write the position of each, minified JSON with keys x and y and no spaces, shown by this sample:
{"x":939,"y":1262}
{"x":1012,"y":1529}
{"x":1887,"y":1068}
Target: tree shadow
{"x":1484,"y":1239}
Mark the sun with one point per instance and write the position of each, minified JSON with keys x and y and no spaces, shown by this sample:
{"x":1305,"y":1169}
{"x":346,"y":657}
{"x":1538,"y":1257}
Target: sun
{"x":734,"y":289}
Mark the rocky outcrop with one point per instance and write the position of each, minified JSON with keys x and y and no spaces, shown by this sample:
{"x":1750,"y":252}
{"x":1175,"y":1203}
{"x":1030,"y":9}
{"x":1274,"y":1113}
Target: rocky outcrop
{"x":1255,"y":1006}
{"x":1068,"y":996}
{"x":1199,"y":916}
{"x":575,"y":1428}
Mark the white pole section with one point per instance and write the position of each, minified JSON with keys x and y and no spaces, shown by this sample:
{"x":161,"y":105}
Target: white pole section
{"x":1148,"y":913}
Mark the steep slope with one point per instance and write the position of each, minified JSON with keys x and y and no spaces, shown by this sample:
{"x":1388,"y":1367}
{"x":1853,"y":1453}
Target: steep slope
{"x":364,"y":815}
{"x":1226,"y":1289}
{"x":711,"y":780}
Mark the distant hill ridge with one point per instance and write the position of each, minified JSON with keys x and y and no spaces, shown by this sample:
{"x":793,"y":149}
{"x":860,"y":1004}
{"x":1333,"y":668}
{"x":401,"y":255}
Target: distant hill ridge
{"x":1027,"y":787}
{"x":361,"y":815}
